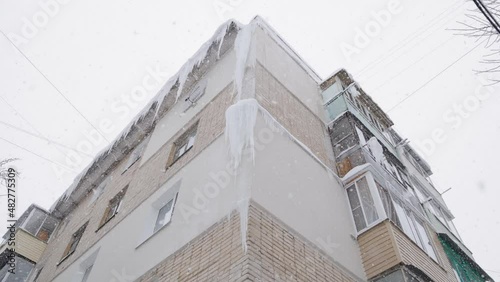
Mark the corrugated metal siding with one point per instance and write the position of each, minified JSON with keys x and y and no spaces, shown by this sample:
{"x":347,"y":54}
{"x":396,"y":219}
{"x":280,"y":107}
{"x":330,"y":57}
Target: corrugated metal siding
{"x":385,"y":246}
{"x":378,"y":249}
{"x":411,"y":254}
{"x":29,"y":246}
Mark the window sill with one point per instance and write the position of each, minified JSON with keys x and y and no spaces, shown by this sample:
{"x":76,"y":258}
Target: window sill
{"x":369,"y":227}
{"x":125,"y":170}
{"x":64,"y":258}
{"x":153,"y":234}
{"x":102,"y":225}
{"x":176,"y":160}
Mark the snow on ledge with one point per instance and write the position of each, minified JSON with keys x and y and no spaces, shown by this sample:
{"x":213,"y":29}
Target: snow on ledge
{"x":355,"y":170}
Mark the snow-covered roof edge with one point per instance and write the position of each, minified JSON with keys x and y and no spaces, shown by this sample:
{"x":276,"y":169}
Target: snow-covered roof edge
{"x":280,"y":41}
{"x":176,"y":80}
{"x":179,"y":80}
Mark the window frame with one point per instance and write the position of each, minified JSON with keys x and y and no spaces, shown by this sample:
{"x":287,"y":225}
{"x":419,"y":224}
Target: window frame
{"x":169,"y":191}
{"x":74,"y":241}
{"x":113,"y":207}
{"x":98,"y":190}
{"x":416,"y":233}
{"x":158,"y":227}
{"x":184,"y":140}
{"x":135,"y":155}
{"x":375,"y":201}
{"x":426,"y":242}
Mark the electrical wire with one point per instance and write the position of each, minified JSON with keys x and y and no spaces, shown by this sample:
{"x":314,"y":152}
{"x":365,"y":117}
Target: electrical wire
{"x":52,"y":84}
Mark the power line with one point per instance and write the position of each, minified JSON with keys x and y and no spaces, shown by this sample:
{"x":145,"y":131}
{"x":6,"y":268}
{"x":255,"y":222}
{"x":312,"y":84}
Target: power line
{"x":434,"y":77}
{"x":411,"y":65}
{"x":42,"y":157}
{"x":52,"y":84}
{"x":45,"y":138}
{"x":413,"y":46}
{"x":412,"y":36}
{"x":40,"y":135}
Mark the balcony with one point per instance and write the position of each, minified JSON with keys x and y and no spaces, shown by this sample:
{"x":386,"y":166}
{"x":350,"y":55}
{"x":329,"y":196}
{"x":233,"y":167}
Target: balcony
{"x":338,"y":105}
{"x":385,"y":246}
{"x":441,"y":228}
{"x":27,"y":245}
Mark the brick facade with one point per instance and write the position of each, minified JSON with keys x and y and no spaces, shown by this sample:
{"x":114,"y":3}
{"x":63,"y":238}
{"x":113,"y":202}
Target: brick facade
{"x":275,"y":253}
{"x":145,"y":180}
{"x":292,"y":114}
{"x":142,"y":181}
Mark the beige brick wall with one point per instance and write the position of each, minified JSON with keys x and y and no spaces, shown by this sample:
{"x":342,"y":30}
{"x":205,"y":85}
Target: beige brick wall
{"x":275,"y":253}
{"x":142,"y":183}
{"x":293,"y":114}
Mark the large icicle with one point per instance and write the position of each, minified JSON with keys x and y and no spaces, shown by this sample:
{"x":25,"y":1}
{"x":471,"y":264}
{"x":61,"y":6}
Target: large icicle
{"x":197,"y":59}
{"x":240,"y":123}
{"x":242,"y":49}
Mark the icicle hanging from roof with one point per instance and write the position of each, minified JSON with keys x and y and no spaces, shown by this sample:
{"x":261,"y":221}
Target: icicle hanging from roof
{"x":180,"y":77}
{"x":242,"y":50}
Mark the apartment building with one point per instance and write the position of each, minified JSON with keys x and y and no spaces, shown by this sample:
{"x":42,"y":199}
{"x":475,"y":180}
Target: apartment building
{"x":247,"y":166}
{"x":24,"y":244}
{"x":404,"y":228}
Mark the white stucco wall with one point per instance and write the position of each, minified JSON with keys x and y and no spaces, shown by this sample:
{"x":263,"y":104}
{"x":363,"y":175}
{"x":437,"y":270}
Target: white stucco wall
{"x":300,"y":192}
{"x":119,"y":253}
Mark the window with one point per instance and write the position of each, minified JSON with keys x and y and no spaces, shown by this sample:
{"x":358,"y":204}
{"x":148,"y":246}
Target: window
{"x":183,"y":144}
{"x":164,"y":214}
{"x":414,"y":228}
{"x":86,"y":273}
{"x":113,"y":207}
{"x":424,"y":239}
{"x":195,"y":95}
{"x":33,"y":221}
{"x":135,"y":156}
{"x":406,"y":224}
{"x":43,"y":234}
{"x":362,"y":205}
{"x":97,"y":191}
{"x":160,"y":212}
{"x":389,"y":208}
{"x":73,"y":243}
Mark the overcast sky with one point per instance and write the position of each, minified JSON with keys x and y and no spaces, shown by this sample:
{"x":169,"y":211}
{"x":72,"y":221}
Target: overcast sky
{"x":97,"y":63}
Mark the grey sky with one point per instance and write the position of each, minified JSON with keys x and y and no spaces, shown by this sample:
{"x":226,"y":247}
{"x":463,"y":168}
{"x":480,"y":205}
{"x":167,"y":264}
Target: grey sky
{"x":97,"y":53}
